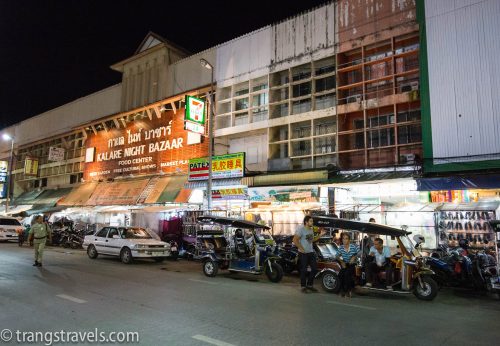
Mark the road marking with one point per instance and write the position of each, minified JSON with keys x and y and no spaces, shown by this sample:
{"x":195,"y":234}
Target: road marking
{"x":352,"y":305}
{"x":211,"y":341}
{"x":203,"y":281}
{"x":73,"y":299}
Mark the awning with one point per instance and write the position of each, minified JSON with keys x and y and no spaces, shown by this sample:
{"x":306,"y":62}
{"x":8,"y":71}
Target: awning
{"x":482,"y":181}
{"x":118,"y":192}
{"x":18,"y":209}
{"x":44,"y":209}
{"x":79,"y":195}
{"x":49,"y":198}
{"x":371,"y":176}
{"x":173,"y":190}
{"x":27,"y":197}
{"x":202,"y":185}
{"x":312,"y":177}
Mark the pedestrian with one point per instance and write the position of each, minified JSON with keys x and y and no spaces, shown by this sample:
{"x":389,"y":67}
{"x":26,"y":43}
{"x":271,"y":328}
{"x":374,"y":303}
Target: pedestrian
{"x":347,"y":256}
{"x":304,"y":239}
{"x":39,"y":234}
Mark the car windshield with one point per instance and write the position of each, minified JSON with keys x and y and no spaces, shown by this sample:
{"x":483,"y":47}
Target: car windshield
{"x":409,"y":245}
{"x":9,"y":222}
{"x":135,"y":233}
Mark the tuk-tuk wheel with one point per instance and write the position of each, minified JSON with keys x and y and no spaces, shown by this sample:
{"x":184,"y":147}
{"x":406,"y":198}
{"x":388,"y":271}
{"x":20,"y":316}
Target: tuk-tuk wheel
{"x":210,"y":268}
{"x":330,"y":282}
{"x":276,"y":274}
{"x":428,"y":291}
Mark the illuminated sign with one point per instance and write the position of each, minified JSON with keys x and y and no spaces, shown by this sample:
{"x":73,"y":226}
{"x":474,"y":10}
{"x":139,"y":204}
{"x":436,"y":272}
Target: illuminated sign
{"x":195,"y":110}
{"x":224,"y":166}
{"x":31,"y":166}
{"x":159,"y":145}
{"x":228,"y":194}
{"x":4,"y":166}
{"x":194,"y":127}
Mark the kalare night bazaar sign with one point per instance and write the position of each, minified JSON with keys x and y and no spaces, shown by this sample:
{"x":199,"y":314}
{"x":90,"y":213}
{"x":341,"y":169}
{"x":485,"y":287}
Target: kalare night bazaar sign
{"x":144,"y":146}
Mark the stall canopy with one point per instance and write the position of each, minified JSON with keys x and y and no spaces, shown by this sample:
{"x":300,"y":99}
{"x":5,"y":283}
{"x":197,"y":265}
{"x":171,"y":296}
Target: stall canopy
{"x":27,"y":197}
{"x":49,"y":198}
{"x":483,"y":181}
{"x":117,"y":192}
{"x":78,"y":195}
{"x":174,"y":192}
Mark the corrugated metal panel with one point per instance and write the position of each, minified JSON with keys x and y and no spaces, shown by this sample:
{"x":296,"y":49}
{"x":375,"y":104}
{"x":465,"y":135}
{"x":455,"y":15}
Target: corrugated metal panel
{"x":364,"y":17}
{"x":464,"y":79}
{"x":243,"y":56}
{"x":303,"y":34}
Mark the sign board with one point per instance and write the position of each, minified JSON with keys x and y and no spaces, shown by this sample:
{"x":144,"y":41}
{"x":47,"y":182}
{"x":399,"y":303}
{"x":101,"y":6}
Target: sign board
{"x":195,"y":110}
{"x":56,"y":154}
{"x":223,"y":166}
{"x":31,"y":166}
{"x":4,"y":170}
{"x":305,"y":193}
{"x":194,"y":127}
{"x":228,"y":194}
{"x":144,"y":146}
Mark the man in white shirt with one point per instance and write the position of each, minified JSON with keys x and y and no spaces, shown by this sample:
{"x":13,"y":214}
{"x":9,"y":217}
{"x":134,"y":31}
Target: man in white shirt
{"x":381,"y":261}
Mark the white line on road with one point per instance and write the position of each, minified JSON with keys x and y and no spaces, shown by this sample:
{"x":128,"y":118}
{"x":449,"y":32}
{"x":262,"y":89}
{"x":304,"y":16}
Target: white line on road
{"x":352,"y":305}
{"x":73,"y":299}
{"x":203,"y":281}
{"x":211,"y":341}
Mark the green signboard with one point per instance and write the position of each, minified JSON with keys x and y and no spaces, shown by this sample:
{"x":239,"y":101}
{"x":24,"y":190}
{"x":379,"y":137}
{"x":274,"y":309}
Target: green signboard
{"x":195,"y":110}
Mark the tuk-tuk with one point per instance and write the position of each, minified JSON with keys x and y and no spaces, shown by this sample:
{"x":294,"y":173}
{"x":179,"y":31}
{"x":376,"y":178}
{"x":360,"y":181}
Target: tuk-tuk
{"x":243,"y":246}
{"x":411,"y":273}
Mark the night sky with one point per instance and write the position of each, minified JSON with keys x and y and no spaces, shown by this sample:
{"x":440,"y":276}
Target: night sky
{"x":53,"y":52}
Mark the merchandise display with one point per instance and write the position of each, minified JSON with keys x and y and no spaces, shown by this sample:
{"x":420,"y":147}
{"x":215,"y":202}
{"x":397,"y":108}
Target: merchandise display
{"x":472,"y":225}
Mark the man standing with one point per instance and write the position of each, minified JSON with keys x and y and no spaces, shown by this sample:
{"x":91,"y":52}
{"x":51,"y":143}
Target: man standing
{"x":39,"y":233}
{"x":303,"y":239}
{"x":381,"y":260}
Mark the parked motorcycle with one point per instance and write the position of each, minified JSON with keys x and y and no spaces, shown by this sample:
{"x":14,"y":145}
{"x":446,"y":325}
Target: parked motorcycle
{"x":459,"y":267}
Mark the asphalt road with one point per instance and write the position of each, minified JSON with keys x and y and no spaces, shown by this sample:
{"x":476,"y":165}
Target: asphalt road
{"x":173,"y":303}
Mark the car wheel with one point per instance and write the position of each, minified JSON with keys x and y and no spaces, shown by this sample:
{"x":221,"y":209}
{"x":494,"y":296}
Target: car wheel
{"x":126,"y":255}
{"x":276,"y":274}
{"x":330,"y":282}
{"x":174,"y":256}
{"x":158,"y":259}
{"x":92,"y":252}
{"x":210,"y":268}
{"x":428,"y":291}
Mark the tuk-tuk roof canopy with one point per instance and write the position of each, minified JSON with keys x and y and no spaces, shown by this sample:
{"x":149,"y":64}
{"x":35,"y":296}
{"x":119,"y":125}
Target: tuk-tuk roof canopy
{"x":365,"y":227}
{"x":226,"y":221}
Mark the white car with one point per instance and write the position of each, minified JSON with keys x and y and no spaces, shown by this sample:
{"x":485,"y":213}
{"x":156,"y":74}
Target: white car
{"x":9,"y":228}
{"x":127,"y":243}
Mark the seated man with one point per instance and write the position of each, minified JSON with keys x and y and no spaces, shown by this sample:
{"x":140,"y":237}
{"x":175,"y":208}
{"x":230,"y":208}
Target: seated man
{"x":381,"y":262}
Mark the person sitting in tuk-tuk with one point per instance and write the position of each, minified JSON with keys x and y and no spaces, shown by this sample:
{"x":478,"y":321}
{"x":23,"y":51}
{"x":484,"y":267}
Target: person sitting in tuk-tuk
{"x":348,"y":252}
{"x":380,"y":257}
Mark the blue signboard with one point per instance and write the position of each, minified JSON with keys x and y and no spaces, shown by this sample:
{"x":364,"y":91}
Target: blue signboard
{"x":3,"y":178}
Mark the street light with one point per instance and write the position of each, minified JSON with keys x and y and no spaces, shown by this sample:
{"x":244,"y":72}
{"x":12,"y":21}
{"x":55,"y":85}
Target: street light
{"x":7,"y":137}
{"x":209,"y":66}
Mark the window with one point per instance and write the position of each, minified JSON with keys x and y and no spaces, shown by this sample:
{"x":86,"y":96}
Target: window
{"x":302,"y":89}
{"x":103,"y":232}
{"x":325,"y":101}
{"x":301,"y":106}
{"x":241,"y":104}
{"x":324,"y":84}
{"x":409,"y":134}
{"x":381,"y":138}
{"x":260,"y":100}
{"x":381,"y":120}
{"x":112,"y":232}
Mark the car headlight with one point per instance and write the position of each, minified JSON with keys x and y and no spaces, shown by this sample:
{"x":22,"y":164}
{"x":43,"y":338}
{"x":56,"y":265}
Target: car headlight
{"x":140,"y":246}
